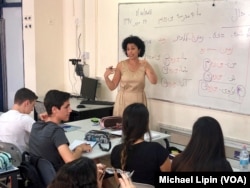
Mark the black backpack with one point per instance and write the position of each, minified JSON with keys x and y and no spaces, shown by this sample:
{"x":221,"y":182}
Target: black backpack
{"x":30,"y":177}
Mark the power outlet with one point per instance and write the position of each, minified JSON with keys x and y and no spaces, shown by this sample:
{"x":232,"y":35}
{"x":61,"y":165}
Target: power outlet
{"x":85,"y":55}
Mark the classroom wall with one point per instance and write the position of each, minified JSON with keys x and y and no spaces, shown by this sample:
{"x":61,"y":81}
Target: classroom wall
{"x":50,"y":42}
{"x":99,"y":28}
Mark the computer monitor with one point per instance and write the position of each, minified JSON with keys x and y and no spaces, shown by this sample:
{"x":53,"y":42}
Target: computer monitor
{"x":88,"y":88}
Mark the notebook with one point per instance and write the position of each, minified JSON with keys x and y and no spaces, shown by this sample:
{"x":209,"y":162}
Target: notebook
{"x":76,"y":143}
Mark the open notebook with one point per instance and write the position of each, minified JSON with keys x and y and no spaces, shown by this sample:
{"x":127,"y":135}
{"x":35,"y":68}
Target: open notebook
{"x":76,"y":143}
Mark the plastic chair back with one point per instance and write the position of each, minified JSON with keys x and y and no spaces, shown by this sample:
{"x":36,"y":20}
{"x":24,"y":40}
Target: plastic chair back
{"x":46,"y":170}
{"x":15,"y":152}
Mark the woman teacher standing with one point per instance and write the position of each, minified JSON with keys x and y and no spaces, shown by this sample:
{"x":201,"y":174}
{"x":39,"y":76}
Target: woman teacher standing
{"x":130,"y":74}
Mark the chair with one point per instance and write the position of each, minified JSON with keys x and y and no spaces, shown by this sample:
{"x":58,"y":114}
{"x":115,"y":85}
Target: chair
{"x":143,"y":185}
{"x":15,"y":152}
{"x":16,"y":156}
{"x":46,"y":170}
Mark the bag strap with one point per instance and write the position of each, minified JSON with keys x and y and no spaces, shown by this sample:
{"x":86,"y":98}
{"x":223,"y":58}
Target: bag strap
{"x":104,"y":149}
{"x":25,"y":156}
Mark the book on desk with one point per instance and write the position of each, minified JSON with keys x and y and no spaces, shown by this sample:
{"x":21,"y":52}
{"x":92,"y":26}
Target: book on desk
{"x":76,"y":143}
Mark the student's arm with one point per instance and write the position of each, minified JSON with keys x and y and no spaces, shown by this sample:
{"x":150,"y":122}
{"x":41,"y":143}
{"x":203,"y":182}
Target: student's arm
{"x":166,"y":166}
{"x":68,"y":155}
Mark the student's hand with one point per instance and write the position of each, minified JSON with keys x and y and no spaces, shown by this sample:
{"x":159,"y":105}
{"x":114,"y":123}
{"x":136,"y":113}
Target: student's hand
{"x":125,"y":181}
{"x":85,"y":147}
{"x":43,"y":116}
{"x":100,"y":174}
{"x":110,"y":70}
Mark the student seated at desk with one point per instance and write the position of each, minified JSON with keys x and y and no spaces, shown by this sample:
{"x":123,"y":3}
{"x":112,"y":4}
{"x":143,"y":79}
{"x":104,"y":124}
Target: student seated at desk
{"x":83,"y":173}
{"x":16,"y":123}
{"x":48,"y":139}
{"x":79,"y":173}
{"x":205,"y":150}
{"x":136,"y":154}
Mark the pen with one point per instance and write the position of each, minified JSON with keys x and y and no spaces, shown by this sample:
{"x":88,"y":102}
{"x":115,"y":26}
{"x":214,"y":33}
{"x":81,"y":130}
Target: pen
{"x":129,"y":176}
{"x":111,"y":68}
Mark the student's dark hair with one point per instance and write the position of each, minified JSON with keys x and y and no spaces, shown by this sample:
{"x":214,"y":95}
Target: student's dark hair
{"x":55,"y":98}
{"x":80,"y":173}
{"x":134,"y":40}
{"x":135,"y":123}
{"x":205,"y":150}
{"x":24,"y":94}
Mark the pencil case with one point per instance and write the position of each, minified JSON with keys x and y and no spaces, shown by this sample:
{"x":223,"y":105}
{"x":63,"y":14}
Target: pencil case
{"x":111,"y":122}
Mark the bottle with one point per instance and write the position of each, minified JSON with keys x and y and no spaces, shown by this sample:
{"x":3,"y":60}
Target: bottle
{"x":244,"y":159}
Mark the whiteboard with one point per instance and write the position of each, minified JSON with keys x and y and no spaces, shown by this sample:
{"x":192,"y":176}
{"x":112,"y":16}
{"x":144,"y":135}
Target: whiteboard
{"x":199,"y":51}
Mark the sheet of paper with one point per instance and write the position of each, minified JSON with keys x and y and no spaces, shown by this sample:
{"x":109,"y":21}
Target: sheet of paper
{"x":76,"y":143}
{"x":146,"y":136}
{"x":153,"y":135}
{"x":116,"y":132}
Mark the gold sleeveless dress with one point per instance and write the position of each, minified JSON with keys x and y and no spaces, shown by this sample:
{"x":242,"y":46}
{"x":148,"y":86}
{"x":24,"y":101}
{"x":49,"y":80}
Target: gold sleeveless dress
{"x":131,"y":88}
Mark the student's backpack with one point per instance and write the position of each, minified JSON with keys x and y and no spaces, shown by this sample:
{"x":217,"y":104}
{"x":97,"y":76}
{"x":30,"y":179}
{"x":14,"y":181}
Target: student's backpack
{"x":30,"y":177}
{"x":5,"y":161}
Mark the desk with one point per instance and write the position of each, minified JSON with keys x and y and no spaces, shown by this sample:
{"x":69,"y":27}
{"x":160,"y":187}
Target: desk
{"x":13,"y":174}
{"x":90,"y":111}
{"x":86,"y":125}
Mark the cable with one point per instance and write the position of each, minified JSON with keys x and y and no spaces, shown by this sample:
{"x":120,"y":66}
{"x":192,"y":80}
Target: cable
{"x":73,"y":85}
{"x":78,"y":46}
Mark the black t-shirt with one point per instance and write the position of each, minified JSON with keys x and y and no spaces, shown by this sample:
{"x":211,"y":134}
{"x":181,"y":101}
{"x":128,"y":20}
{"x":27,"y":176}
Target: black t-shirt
{"x":45,"y":138}
{"x":144,"y":158}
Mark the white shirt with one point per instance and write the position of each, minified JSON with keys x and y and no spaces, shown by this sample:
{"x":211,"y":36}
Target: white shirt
{"x":15,"y":128}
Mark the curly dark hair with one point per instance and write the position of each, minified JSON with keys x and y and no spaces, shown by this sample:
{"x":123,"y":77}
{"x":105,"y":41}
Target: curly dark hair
{"x":134,"y":40}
